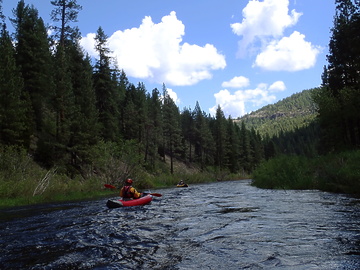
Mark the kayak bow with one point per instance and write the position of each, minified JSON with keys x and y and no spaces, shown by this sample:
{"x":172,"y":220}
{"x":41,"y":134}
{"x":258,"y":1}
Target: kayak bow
{"x":121,"y":203}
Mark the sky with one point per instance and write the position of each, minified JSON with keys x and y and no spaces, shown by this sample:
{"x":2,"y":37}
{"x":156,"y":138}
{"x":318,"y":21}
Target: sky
{"x":239,"y":54}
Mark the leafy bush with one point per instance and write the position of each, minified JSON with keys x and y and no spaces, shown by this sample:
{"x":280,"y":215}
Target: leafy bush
{"x":283,"y":172}
{"x":335,"y":173}
{"x":339,"y":172}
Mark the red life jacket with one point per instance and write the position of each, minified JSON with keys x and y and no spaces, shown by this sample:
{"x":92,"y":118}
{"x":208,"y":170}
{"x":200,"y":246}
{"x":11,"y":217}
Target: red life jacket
{"x":127,"y":192}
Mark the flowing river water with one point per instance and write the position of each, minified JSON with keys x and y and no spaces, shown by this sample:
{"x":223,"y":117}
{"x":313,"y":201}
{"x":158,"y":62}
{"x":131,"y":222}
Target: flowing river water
{"x":223,"y":225}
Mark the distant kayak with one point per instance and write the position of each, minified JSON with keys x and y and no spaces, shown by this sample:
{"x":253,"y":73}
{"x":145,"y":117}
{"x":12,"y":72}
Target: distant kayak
{"x":121,"y":203}
{"x":183,"y":185}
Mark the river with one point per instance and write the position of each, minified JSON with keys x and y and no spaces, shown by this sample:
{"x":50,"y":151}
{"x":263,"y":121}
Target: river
{"x":223,"y":225}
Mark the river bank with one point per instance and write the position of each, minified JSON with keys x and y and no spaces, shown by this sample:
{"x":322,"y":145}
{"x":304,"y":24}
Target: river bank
{"x":29,"y":184}
{"x":24,"y":182}
{"x":60,"y":188}
{"x":339,"y":173}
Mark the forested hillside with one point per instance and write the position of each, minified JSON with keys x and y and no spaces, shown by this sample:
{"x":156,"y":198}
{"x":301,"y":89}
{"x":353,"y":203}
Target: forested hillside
{"x":287,"y":115}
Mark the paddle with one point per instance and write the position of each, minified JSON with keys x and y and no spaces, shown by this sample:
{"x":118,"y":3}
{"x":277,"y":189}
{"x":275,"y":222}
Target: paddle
{"x":109,"y":186}
{"x":153,"y":194}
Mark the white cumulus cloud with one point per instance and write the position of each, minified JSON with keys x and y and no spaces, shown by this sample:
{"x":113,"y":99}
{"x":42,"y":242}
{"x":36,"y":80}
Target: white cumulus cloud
{"x":263,"y":20}
{"x":88,"y":43}
{"x":173,"y":95}
{"x":262,"y":31}
{"x":277,"y":86}
{"x":234,"y":104}
{"x":291,"y":53}
{"x":237,"y":82}
{"x":157,"y":52}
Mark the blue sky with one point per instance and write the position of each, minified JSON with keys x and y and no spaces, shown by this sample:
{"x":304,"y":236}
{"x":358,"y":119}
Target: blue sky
{"x":239,"y":54}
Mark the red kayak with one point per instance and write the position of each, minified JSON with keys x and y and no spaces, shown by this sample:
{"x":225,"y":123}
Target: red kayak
{"x":121,"y":203}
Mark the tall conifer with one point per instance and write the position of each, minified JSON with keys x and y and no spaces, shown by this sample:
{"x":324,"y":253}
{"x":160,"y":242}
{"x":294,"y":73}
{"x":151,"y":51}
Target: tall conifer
{"x":65,"y":12}
{"x":14,"y":106}
{"x":171,"y":127}
{"x":106,"y":97}
{"x":339,"y":98}
{"x":153,"y":128}
{"x":220,"y":135}
{"x":36,"y":64}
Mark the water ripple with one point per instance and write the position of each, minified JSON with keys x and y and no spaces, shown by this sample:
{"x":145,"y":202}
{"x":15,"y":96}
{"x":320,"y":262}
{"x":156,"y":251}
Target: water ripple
{"x":228,"y":225}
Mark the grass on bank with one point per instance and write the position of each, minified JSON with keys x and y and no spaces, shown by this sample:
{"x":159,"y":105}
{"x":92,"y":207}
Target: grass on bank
{"x":61,"y":188}
{"x":23,"y":182}
{"x":17,"y":193}
{"x":335,"y":173}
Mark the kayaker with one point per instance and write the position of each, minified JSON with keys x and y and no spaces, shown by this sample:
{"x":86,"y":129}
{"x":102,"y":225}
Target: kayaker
{"x":181,"y":182}
{"x":128,"y":192}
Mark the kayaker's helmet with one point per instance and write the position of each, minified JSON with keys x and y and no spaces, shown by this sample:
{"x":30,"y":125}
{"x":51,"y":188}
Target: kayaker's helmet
{"x":128,"y":181}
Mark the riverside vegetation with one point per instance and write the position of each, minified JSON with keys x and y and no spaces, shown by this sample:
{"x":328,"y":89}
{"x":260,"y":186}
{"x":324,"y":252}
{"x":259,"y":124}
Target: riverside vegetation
{"x":24,"y":182}
{"x":334,"y":172}
{"x":70,"y":124}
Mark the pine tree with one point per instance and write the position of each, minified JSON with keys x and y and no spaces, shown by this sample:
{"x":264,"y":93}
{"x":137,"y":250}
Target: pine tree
{"x":339,"y":98}
{"x":34,"y":59}
{"x":84,"y":127}
{"x":171,"y":127}
{"x":220,"y":135}
{"x":65,"y":12}
{"x":188,"y":133}
{"x":105,"y":88}
{"x":203,"y":139}
{"x":232,"y":145}
{"x":257,"y":148}
{"x":245,"y":150}
{"x":64,"y":98}
{"x":153,"y":127}
{"x":14,"y":104}
{"x":130,"y":120}
{"x":122,"y":86}
{"x":135,"y":113}
{"x":269,"y":149}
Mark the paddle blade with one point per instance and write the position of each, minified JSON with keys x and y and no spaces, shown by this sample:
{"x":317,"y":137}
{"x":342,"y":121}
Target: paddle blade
{"x":109,"y":186}
{"x":153,"y":194}
{"x":156,"y":194}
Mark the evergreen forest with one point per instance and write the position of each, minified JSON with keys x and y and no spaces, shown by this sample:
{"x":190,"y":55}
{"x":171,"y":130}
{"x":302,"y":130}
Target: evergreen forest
{"x":70,"y":122}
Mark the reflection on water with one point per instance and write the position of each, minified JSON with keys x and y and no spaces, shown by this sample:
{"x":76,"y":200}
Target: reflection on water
{"x":227,"y":225}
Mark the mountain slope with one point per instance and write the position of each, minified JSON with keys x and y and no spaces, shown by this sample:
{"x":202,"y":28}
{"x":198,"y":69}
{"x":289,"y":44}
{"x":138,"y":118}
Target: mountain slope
{"x":289,"y":114}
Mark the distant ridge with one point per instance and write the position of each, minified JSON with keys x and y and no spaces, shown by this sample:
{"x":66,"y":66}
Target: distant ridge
{"x":286,"y":115}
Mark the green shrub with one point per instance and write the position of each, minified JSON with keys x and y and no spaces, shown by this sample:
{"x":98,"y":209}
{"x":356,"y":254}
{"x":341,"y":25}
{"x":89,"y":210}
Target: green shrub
{"x":338,"y":172}
{"x":284,"y":172}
